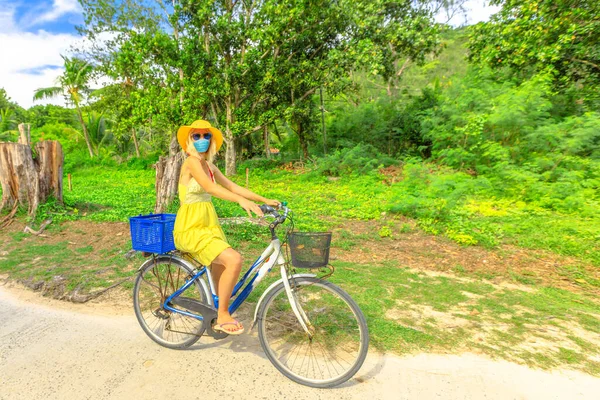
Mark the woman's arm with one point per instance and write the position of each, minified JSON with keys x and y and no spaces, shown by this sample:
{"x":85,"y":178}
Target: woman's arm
{"x":234,"y":188}
{"x":219,"y":191}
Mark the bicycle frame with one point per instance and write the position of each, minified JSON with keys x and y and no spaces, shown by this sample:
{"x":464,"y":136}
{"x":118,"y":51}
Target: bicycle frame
{"x":270,"y":257}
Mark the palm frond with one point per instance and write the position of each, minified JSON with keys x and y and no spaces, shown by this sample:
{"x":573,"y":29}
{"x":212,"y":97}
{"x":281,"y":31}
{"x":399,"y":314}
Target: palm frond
{"x":47,"y":93}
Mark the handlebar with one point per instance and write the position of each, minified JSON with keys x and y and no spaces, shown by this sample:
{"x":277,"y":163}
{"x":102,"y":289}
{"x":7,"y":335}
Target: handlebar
{"x":269,"y":210}
{"x":266,"y":209}
{"x":274,"y":212}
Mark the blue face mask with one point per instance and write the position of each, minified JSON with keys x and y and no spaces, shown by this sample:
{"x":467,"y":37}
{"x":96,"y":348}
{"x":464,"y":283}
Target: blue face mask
{"x":201,"y":145}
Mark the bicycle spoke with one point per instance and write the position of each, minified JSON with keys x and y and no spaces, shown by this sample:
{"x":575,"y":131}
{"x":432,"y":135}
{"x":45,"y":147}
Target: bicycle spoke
{"x":153,"y":286}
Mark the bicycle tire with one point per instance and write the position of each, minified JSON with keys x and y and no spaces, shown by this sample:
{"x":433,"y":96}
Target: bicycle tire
{"x":278,"y":296}
{"x":176,"y":338}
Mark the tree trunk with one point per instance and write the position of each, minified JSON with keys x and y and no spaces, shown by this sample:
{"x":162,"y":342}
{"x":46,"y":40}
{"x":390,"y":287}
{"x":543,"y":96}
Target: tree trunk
{"x":167,"y":180}
{"x":85,"y":132}
{"x":267,"y":142}
{"x":24,"y":134}
{"x":27,"y":181}
{"x":302,"y":140}
{"x":323,"y":122}
{"x":230,"y":168}
{"x":135,"y":142}
{"x":174,"y":147}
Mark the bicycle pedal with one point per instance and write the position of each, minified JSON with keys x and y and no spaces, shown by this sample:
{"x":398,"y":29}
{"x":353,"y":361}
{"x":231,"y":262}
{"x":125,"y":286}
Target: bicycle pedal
{"x":214,"y":334}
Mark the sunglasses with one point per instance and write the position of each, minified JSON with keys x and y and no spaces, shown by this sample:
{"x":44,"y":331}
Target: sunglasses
{"x":198,"y":136}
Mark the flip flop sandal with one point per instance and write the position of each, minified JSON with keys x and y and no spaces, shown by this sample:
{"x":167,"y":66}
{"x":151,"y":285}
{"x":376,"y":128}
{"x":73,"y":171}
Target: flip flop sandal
{"x":219,"y":328}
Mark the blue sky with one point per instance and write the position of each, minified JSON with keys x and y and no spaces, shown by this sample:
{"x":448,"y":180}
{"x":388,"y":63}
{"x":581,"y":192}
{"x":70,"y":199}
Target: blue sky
{"x":34,"y":33}
{"x":56,"y":16}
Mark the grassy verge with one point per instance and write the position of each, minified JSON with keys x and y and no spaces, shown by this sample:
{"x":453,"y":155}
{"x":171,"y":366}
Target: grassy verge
{"x":462,"y":309}
{"x":409,"y":311}
{"x":81,"y":261}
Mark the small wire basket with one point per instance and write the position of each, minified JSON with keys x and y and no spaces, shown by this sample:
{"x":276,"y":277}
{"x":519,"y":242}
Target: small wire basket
{"x":309,"y":249}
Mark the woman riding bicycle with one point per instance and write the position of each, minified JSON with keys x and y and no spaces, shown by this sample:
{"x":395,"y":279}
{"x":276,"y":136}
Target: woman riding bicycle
{"x":197,"y":230}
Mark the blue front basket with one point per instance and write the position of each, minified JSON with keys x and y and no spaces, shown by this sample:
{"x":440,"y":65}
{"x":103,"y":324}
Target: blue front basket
{"x":152,"y":233}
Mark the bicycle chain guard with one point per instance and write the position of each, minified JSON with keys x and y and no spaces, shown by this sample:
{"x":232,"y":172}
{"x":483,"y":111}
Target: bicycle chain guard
{"x":208,"y":313}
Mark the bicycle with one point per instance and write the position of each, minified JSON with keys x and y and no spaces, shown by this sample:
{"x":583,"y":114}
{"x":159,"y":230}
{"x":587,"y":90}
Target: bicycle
{"x":310,"y":329}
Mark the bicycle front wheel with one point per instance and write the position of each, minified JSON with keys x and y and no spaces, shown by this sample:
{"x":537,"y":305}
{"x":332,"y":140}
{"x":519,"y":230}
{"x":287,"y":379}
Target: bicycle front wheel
{"x":155,"y":282}
{"x":337,"y":341}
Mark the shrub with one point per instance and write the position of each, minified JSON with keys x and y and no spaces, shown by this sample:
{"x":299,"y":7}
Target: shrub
{"x":360,"y":159}
{"x":259,"y":164}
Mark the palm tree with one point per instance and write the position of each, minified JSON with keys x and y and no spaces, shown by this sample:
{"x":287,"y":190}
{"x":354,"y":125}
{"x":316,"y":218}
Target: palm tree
{"x":99,"y":134}
{"x":7,"y":124}
{"x":73,"y":84}
{"x":7,"y":120}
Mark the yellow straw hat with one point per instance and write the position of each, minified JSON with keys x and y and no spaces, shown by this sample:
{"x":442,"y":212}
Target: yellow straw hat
{"x":184,"y":132}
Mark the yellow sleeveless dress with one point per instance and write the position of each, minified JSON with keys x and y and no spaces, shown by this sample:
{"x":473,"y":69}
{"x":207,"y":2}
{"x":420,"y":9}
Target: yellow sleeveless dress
{"x":197,"y":230}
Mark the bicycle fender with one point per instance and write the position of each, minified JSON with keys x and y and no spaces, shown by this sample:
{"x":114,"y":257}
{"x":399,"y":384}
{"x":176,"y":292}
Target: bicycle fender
{"x":273,"y":285}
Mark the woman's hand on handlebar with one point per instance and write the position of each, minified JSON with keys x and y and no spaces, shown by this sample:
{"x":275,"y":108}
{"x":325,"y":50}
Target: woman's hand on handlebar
{"x":272,"y":202}
{"x":251,"y":206}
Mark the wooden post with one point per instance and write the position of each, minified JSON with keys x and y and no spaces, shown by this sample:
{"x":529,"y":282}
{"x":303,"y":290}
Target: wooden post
{"x":70,"y":187}
{"x":247,"y":176}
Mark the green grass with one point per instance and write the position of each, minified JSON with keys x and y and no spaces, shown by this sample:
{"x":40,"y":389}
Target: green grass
{"x":396,"y":301}
{"x":442,"y":202}
{"x":29,"y":259}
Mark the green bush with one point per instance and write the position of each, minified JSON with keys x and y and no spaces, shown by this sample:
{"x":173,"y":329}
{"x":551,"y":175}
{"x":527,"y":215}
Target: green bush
{"x":391,"y":126}
{"x":146,"y":162}
{"x":512,"y":205}
{"x":259,"y":164}
{"x":358,"y":160}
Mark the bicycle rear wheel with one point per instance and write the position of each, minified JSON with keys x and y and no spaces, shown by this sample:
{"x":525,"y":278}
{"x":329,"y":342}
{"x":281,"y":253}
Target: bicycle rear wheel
{"x":154,"y":283}
{"x":340,"y":338}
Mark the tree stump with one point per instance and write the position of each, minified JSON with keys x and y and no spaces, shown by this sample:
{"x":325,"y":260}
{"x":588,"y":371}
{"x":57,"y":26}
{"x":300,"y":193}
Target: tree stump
{"x":167,"y":180}
{"x":50,"y":165}
{"x":28,"y":181}
{"x":24,"y":134}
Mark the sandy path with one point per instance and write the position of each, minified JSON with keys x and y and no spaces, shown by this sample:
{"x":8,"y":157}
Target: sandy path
{"x":50,"y":350}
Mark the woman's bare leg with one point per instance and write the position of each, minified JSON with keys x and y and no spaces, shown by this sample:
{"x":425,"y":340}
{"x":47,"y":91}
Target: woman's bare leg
{"x":226,"y":270}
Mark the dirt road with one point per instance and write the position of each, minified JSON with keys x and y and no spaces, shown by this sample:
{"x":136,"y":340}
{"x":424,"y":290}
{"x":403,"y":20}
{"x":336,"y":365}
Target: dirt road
{"x":51,"y":350}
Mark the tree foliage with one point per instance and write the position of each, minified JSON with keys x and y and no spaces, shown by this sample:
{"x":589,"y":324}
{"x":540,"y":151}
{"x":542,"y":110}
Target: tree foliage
{"x":245,"y":64}
{"x":561,"y":38}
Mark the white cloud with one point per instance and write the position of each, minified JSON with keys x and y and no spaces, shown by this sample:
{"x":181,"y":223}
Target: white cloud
{"x":31,"y":61}
{"x":59,"y":8}
{"x":7,"y":23}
